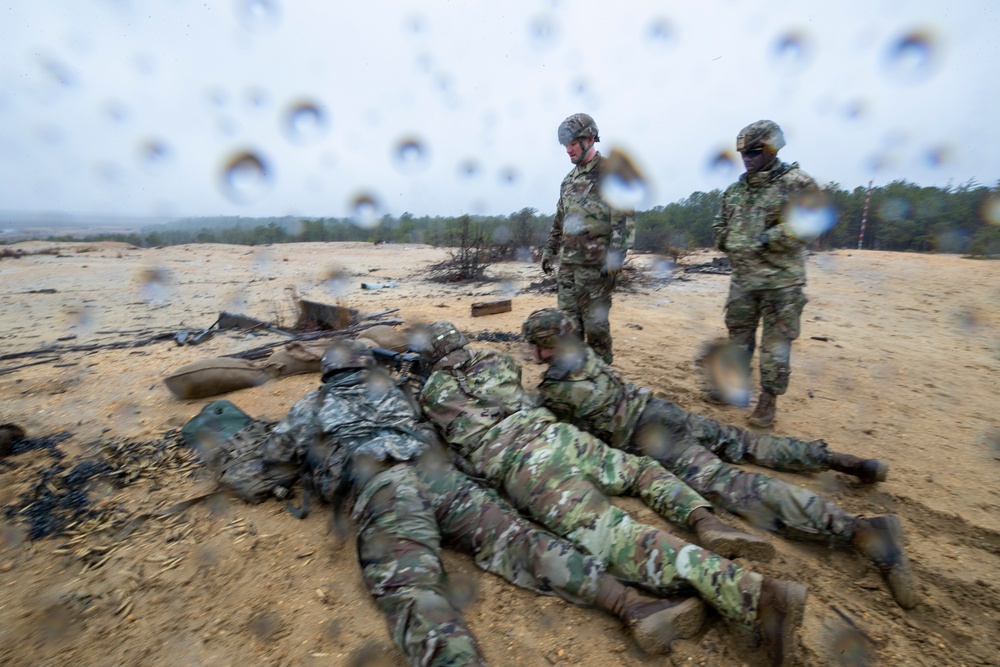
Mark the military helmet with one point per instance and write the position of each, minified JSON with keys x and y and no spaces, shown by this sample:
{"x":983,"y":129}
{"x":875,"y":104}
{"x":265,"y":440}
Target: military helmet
{"x":441,"y":338}
{"x":548,"y":326}
{"x":346,"y":355}
{"x":576,"y":126}
{"x":762,"y":134}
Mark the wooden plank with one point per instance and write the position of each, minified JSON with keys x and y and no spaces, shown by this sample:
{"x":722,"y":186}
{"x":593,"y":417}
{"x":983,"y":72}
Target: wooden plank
{"x":491,"y":307}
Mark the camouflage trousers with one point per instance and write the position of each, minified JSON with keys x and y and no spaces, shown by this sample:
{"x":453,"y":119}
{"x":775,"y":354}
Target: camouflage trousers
{"x":408,"y":512}
{"x":563,"y":477}
{"x":781,"y":313}
{"x":585,"y":295}
{"x":697,"y":450}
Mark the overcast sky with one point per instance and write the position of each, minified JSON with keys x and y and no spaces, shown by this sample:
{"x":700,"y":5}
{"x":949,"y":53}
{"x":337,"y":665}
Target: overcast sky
{"x":435,"y":107}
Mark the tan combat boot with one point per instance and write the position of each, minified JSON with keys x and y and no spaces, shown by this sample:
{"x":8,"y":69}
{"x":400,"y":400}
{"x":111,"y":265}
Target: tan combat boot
{"x":881,"y":539}
{"x":868,"y":471}
{"x":779,"y":616}
{"x":763,"y":413}
{"x":653,"y":622}
{"x":727,"y":541}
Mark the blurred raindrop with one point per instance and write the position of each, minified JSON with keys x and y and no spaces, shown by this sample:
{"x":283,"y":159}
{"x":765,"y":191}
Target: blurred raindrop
{"x":913,"y":57}
{"x":851,"y":648}
{"x":468,"y":168}
{"x":12,"y":536}
{"x":372,"y":655}
{"x":153,"y":152}
{"x":524,"y":255}
{"x":126,"y":417}
{"x":411,"y":156}
{"x":258,"y":15}
{"x":791,"y":52}
{"x":992,"y":438}
{"x":662,"y":32}
{"x":364,"y":210}
{"x":57,"y":620}
{"x":78,"y":319}
{"x":724,"y":163}
{"x":952,"y":240}
{"x":622,"y":184}
{"x":116,"y":111}
{"x":217,"y":96}
{"x":336,"y":281}
{"x":109,"y":172}
{"x":662,"y":268}
{"x":332,"y":631}
{"x":305,"y":122}
{"x":855,"y":110}
{"x":542,"y":32}
{"x":461,"y":590}
{"x":937,"y":156}
{"x":808,"y":217}
{"x":265,"y":626}
{"x":991,"y":209}
{"x":263,"y":259}
{"x":257,"y":98}
{"x":58,"y":72}
{"x":894,"y":209}
{"x":509,"y":175}
{"x":144,"y":63}
{"x":968,"y":319}
{"x":419,"y":339}
{"x":246,"y":177}
{"x":501,"y":234}
{"x":509,"y":288}
{"x":219,"y":505}
{"x":155,"y":285}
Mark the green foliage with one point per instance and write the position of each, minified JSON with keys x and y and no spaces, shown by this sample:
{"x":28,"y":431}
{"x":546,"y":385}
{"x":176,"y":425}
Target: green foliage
{"x":902,"y":216}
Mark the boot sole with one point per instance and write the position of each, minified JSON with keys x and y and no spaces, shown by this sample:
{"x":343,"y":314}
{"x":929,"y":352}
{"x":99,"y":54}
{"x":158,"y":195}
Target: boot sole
{"x":899,"y":577}
{"x":760,"y":423}
{"x":880,"y":474}
{"x":794,"y":606}
{"x":655,"y":633}
{"x":740,"y":546}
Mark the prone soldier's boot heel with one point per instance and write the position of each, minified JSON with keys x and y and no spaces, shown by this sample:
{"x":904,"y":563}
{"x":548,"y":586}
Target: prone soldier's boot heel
{"x":727,"y":541}
{"x":653,"y":622}
{"x":779,"y":616}
{"x":869,"y":471}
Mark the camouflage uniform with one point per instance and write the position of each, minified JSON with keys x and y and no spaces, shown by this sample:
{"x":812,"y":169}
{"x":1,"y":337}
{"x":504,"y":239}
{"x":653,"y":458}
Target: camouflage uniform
{"x":767,"y":277}
{"x":361,"y":441}
{"x":584,"y":232}
{"x":582,"y":390}
{"x":562,"y":477}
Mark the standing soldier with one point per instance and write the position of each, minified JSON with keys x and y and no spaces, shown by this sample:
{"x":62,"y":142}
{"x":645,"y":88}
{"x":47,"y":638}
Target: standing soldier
{"x":768,"y":259}
{"x":589,"y":235}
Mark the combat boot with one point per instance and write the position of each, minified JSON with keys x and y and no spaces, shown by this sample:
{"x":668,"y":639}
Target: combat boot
{"x":727,"y":541}
{"x":763,"y":413}
{"x":779,"y":616}
{"x":653,"y":622}
{"x":881,"y":539}
{"x":868,"y":471}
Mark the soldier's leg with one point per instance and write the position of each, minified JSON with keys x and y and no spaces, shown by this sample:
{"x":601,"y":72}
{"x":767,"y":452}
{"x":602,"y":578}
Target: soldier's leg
{"x":475,"y":520}
{"x":782,"y":313}
{"x":399,"y":551}
{"x":764,"y":501}
{"x":596,"y":310}
{"x":567,"y":297}
{"x":568,"y":503}
{"x":743,"y":312}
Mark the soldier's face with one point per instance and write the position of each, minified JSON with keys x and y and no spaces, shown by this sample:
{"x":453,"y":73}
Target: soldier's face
{"x":756,"y":159}
{"x":542,"y":355}
{"x":578,"y":149}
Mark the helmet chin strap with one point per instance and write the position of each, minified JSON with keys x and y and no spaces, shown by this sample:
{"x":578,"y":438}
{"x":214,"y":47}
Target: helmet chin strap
{"x":583,"y":151}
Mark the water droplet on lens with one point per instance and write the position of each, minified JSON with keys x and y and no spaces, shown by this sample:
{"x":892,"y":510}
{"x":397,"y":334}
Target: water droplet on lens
{"x":991,"y":209}
{"x":364,"y":210}
{"x":542,"y":32}
{"x":509,"y":288}
{"x":662,"y":31}
{"x":78,"y":319}
{"x":791,"y":52}
{"x":810,"y":216}
{"x":912,"y":58}
{"x":936,"y":156}
{"x":154,"y":152}
{"x":851,"y":649}
{"x":246,"y":177}
{"x":258,"y":15}
{"x":59,"y":72}
{"x":854,"y":110}
{"x":257,"y":98}
{"x":415,"y":24}
{"x":116,"y":111}
{"x":461,"y":590}
{"x":155,"y":285}
{"x":305,"y":122}
{"x":501,"y":234}
{"x":622,"y":184}
{"x":662,"y":268}
{"x":894,"y":209}
{"x":724,"y":163}
{"x":411,"y":157}
{"x":468,"y":168}
{"x":335,"y":281}
{"x":509,"y":175}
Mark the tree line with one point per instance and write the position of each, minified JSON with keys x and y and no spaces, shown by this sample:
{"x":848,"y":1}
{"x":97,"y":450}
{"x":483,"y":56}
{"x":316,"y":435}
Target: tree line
{"x":902,"y":216}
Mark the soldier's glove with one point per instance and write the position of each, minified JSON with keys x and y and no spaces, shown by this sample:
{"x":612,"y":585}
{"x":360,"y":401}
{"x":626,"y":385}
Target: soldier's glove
{"x":764,"y":240}
{"x":722,"y":245}
{"x":547,"y":263}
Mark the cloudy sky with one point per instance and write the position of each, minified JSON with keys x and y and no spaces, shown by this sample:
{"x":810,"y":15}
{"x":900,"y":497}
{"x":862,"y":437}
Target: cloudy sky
{"x":325,"y":108}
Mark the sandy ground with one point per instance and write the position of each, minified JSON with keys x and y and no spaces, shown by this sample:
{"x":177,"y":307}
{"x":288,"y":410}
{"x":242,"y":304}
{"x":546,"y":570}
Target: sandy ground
{"x":899,"y":359}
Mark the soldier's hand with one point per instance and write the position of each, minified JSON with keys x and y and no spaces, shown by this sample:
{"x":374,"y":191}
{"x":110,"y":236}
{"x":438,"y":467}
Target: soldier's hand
{"x":722,"y":245}
{"x":547,"y":264}
{"x":764,"y":240}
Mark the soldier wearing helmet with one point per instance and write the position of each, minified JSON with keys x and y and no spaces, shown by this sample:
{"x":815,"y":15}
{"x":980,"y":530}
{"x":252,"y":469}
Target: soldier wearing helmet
{"x":589,"y":236}
{"x":755,"y":228}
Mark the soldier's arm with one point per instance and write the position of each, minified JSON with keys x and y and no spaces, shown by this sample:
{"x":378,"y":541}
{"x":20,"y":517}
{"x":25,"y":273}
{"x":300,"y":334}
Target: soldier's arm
{"x":622,"y":232}
{"x":554,"y":241}
{"x":784,"y":237}
{"x":720,"y":226}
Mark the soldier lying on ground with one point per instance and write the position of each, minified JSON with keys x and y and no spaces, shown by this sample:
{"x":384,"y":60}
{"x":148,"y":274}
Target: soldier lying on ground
{"x":559,"y":476}
{"x":360,"y":440}
{"x":583,"y":390}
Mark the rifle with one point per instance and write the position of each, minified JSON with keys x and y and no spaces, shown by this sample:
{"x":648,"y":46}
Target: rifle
{"x":409,"y":366}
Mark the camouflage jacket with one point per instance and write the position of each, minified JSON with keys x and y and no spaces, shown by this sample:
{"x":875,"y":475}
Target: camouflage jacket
{"x":585,"y":227}
{"x":586,"y":392}
{"x":481,"y":408}
{"x":755,"y":204}
{"x":353,"y":415}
